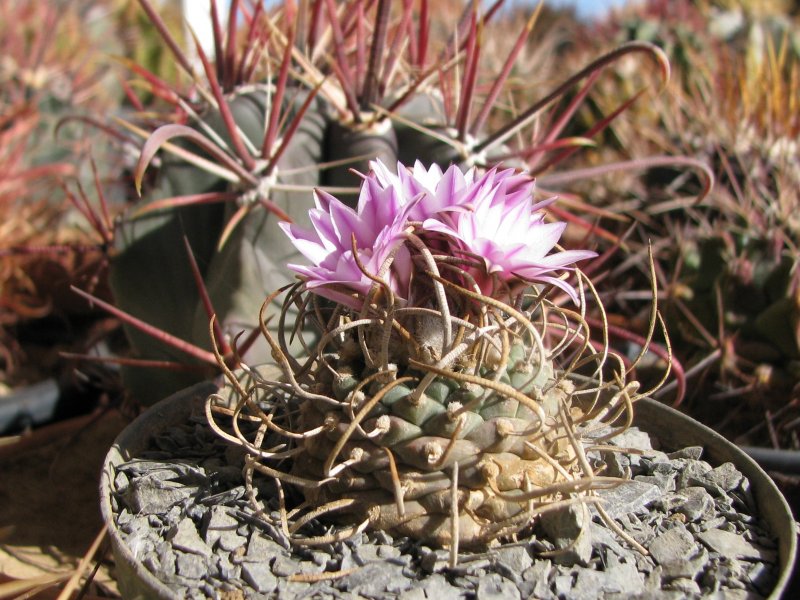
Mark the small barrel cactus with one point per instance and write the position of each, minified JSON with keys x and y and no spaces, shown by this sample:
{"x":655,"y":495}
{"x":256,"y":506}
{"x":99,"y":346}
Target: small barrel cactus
{"x":434,"y":399}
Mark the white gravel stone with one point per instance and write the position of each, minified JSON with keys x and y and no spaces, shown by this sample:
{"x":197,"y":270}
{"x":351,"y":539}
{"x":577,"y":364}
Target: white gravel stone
{"x":698,"y":503}
{"x":734,"y":545}
{"x":495,"y":587}
{"x":629,"y":497}
{"x":673,"y":546}
{"x":221,"y":530}
{"x":185,"y":537}
{"x":259,"y":576}
{"x":694,"y":534}
{"x":516,"y":558}
{"x":192,"y":566}
{"x":565,"y":528}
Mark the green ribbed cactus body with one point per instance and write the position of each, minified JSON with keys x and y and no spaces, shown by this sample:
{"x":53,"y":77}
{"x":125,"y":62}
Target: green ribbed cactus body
{"x":412,"y":439}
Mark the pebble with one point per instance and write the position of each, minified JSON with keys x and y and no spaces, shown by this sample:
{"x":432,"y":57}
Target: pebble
{"x":590,"y":585}
{"x":698,"y":503}
{"x":261,"y":547}
{"x":167,"y":558}
{"x":415,"y":594}
{"x":733,"y":545}
{"x":151,"y":495}
{"x":436,"y":587}
{"x":259,"y":577}
{"x":685,"y":585}
{"x":673,"y":546}
{"x":184,"y":537}
{"x":539,"y":575}
{"x":432,"y":561}
{"x":617,"y":464}
{"x":285,"y":566}
{"x":692,"y":473}
{"x":625,"y":577}
{"x":375,"y":580}
{"x":761,"y":577}
{"x":569,"y":531}
{"x":292,"y":589}
{"x":189,"y":565}
{"x":190,"y":521}
{"x":228,"y":570}
{"x":514,"y":559}
{"x":726,"y":476}
{"x":634,"y":438}
{"x":664,"y":482}
{"x":562,"y":585}
{"x":496,"y":587}
{"x":607,"y":543}
{"x":221,"y":529}
{"x":630,"y":497}
{"x":692,"y":452}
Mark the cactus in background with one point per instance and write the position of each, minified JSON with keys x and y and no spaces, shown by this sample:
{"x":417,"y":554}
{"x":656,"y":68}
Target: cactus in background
{"x":438,"y":402}
{"x":294,"y":100}
{"x":50,"y":72}
{"x":731,"y":284}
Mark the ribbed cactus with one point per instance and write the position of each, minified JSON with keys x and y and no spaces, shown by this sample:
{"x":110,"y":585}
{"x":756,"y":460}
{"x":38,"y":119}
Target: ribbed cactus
{"x":314,"y":92}
{"x":435,"y":399}
{"x":395,"y":456}
{"x":732,"y":281}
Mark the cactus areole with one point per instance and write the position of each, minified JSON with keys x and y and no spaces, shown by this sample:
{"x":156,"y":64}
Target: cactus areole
{"x":433,"y":398}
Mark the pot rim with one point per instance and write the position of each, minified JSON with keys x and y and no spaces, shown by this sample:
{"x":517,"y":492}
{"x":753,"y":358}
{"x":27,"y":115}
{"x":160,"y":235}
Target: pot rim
{"x":131,"y":441}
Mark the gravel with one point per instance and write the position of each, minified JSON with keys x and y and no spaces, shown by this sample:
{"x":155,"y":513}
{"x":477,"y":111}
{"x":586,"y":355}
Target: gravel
{"x":183,"y":511}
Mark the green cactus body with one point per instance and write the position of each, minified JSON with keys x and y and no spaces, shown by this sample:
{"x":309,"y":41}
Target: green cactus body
{"x":487,"y":433}
{"x":378,"y":437}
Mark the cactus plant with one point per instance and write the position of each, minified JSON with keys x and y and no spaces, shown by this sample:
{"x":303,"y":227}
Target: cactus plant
{"x":731,"y":291}
{"x":437,"y":403}
{"x":260,"y":135}
{"x":50,"y":71}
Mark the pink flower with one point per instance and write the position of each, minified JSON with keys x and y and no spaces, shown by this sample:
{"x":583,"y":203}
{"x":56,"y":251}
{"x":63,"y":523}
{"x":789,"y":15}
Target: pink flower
{"x":434,"y":191}
{"x":491,"y":217}
{"x":507,"y":231}
{"x":378,"y":226}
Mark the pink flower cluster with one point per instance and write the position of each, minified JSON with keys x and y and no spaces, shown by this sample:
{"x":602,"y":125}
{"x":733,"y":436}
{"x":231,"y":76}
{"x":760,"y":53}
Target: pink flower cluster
{"x":489,"y":217}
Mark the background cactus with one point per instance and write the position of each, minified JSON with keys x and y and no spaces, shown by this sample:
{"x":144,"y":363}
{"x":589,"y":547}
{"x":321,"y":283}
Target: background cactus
{"x":161,"y":92}
{"x":730,"y":283}
{"x":51,"y":79}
